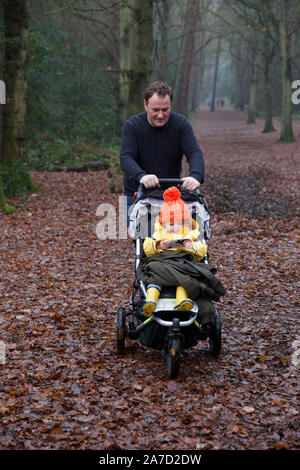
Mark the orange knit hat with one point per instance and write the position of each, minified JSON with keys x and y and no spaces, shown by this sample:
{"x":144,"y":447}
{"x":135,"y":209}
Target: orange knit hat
{"x":174,"y":208}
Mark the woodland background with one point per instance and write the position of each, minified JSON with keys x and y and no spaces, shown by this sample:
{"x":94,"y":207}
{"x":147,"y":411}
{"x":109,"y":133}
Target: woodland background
{"x":75,"y":70}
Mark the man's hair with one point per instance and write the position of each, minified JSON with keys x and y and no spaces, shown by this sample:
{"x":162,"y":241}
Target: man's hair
{"x":161,"y":88}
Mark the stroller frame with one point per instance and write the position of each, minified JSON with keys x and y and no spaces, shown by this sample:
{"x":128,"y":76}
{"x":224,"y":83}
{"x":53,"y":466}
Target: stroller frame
{"x":172,"y":322}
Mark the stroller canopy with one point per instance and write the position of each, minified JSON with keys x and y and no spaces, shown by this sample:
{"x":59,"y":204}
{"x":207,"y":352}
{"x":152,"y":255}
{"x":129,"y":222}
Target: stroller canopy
{"x":143,"y":213}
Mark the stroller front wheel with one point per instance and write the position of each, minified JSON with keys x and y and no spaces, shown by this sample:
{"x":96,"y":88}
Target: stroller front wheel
{"x":173,"y":357}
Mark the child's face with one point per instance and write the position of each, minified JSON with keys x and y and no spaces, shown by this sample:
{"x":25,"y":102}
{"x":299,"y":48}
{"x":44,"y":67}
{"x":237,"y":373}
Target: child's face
{"x":177,"y":226}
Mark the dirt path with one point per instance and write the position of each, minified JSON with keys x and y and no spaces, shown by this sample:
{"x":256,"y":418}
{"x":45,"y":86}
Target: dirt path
{"x":64,"y":385}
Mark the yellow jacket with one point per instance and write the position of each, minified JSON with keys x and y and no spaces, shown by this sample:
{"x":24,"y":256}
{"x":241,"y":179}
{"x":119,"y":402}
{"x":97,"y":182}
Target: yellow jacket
{"x":160,"y":233}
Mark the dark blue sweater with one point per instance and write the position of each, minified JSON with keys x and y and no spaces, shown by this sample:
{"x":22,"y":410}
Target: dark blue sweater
{"x":146,"y":149}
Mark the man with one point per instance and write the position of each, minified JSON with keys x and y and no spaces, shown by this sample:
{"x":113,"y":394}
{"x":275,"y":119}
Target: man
{"x":154,"y":142}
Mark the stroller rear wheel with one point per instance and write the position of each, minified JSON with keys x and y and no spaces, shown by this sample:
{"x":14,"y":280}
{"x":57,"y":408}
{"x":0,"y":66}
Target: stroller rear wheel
{"x":173,"y":357}
{"x":121,"y":330}
{"x":215,"y":336}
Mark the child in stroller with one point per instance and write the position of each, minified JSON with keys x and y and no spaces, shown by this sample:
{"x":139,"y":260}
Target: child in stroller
{"x":174,"y":230}
{"x":156,"y":323}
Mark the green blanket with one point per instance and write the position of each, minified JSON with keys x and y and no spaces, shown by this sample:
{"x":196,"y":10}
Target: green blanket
{"x":179,"y":268}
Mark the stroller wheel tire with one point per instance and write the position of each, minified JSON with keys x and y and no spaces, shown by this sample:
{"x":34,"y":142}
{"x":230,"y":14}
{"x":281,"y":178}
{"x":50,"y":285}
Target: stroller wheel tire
{"x":173,"y":357}
{"x":215,"y":336}
{"x":121,"y":330}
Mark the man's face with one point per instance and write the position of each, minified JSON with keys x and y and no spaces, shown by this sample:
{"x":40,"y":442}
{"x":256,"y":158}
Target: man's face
{"x":158,"y":110}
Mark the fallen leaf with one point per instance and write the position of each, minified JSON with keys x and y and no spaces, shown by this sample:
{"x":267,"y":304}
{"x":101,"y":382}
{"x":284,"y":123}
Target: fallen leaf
{"x":248,"y":409}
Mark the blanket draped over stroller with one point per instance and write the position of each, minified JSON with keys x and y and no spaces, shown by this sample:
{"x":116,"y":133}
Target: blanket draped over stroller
{"x":179,"y":268}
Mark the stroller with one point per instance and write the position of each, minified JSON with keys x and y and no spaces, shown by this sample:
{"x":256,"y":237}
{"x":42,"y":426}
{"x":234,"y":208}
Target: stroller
{"x":166,"y":330}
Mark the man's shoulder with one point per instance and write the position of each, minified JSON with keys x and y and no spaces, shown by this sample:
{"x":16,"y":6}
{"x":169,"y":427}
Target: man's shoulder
{"x":136,"y":121}
{"x":178,"y":119}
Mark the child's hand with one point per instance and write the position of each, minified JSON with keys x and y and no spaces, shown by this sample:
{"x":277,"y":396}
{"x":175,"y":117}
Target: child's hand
{"x":164,"y":245}
{"x":189,"y":245}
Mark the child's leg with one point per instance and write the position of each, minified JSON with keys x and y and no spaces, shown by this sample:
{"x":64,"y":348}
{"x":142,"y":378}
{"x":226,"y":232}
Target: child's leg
{"x":153,"y":292}
{"x":182,"y":301}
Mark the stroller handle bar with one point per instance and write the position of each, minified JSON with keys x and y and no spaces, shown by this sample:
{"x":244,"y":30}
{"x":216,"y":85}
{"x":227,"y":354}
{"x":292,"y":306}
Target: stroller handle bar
{"x":164,"y":180}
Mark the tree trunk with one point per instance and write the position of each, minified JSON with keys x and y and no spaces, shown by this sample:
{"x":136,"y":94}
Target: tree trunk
{"x":141,"y":69}
{"x":124,"y":59}
{"x":163,"y":67}
{"x":252,"y":95}
{"x":195,"y":86}
{"x":2,"y":197}
{"x":286,"y":134}
{"x":238,"y":95}
{"x":182,"y":103}
{"x":198,"y":67}
{"x":3,"y":205}
{"x":268,"y":89}
{"x":214,"y":90}
{"x":16,"y":17}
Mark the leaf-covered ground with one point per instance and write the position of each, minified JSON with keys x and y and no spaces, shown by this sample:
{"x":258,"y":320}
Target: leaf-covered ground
{"x":62,"y":384}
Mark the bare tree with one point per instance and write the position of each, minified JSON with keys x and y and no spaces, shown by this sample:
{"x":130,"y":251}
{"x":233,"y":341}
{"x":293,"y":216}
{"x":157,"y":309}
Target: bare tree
{"x":163,"y":13}
{"x":217,"y":59}
{"x":268,"y":54}
{"x":282,"y":15}
{"x":286,"y":134}
{"x":13,"y":144}
{"x":252,"y":85}
{"x":142,"y":63}
{"x":6,"y":208}
{"x":16,"y":17}
{"x":125,"y":17}
{"x":182,"y":104}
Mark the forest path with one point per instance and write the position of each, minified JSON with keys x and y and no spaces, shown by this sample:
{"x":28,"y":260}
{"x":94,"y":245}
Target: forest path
{"x":247,"y":170}
{"x":64,"y":385}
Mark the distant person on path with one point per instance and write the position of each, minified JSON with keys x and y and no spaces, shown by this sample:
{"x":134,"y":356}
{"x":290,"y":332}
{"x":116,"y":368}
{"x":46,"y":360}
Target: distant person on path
{"x":153,"y":144}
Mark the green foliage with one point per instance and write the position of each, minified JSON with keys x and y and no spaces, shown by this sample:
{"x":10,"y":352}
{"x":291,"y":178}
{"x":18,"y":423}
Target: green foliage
{"x":116,"y":174}
{"x":16,"y":179}
{"x":71,"y":99}
{"x":51,"y":152}
{"x":7,"y":209}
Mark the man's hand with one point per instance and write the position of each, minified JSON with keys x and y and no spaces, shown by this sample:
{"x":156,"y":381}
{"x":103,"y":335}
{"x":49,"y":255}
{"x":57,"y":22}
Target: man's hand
{"x":190,"y":183}
{"x":149,"y":181}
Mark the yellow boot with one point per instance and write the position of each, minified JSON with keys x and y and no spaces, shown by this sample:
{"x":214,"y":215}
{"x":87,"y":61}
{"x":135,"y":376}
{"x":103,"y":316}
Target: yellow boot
{"x":182,"y":301}
{"x":151,"y":299}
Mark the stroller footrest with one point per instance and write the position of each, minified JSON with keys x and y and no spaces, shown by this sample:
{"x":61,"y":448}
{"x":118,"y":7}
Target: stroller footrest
{"x":169,"y":304}
{"x":169,"y":323}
